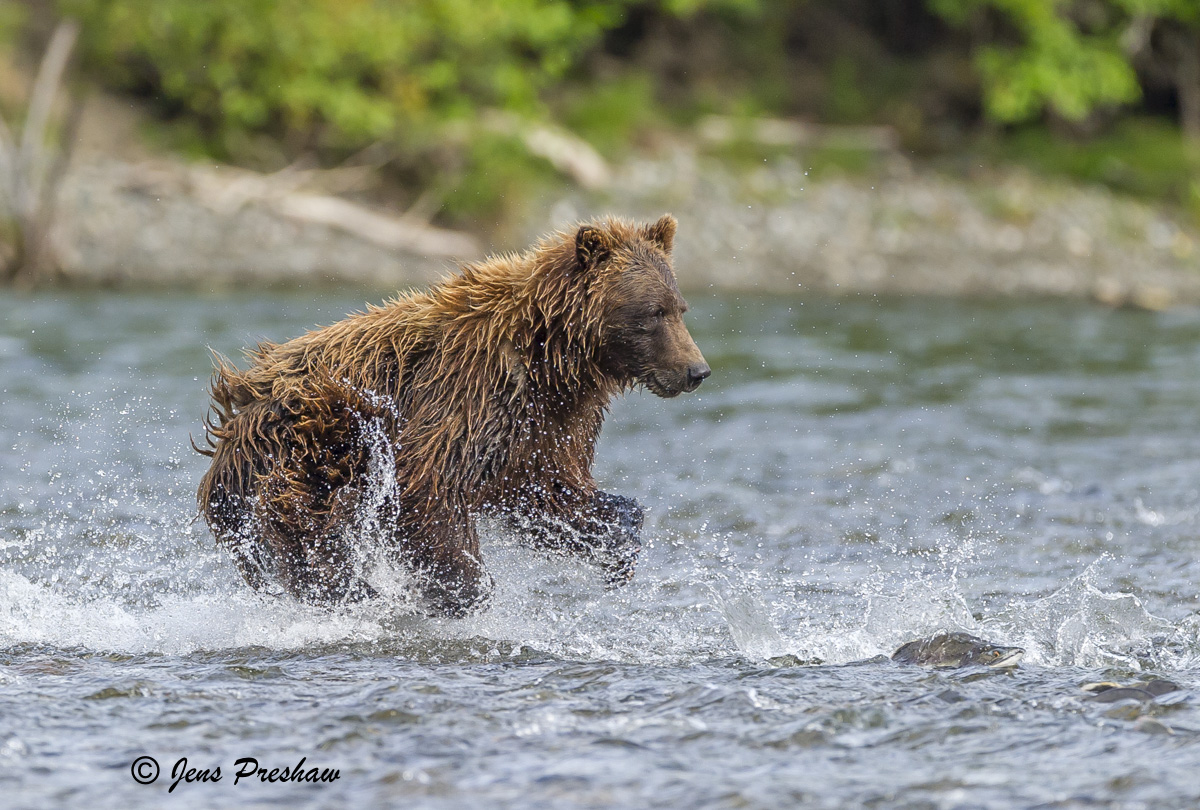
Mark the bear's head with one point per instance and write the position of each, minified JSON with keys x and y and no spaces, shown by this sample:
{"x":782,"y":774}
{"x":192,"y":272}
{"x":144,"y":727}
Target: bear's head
{"x":644,"y":337}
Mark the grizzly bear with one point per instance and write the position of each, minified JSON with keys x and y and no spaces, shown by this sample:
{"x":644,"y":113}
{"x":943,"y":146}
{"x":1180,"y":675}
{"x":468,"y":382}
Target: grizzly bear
{"x":481,"y":397}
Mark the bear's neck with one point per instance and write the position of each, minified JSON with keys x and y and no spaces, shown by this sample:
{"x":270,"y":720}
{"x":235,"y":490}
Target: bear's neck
{"x":535,"y":315}
{"x":561,"y":337}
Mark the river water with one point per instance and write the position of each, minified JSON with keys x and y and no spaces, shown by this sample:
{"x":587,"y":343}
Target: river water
{"x":855,"y":474}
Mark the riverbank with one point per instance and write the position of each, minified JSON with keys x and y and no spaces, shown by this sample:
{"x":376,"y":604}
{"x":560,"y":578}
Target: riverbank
{"x":902,"y":229}
{"x":909,"y":230}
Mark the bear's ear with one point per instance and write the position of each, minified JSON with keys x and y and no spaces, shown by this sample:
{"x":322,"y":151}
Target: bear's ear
{"x":592,"y":246}
{"x":662,"y":233}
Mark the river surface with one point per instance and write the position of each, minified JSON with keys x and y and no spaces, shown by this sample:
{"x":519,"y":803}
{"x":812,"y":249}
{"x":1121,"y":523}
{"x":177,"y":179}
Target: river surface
{"x":856,"y":473}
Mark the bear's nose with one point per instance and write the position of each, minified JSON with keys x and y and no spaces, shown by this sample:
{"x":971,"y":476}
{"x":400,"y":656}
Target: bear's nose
{"x":697,"y":373}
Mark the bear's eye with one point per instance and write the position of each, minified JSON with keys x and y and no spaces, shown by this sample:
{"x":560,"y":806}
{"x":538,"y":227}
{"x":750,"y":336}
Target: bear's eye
{"x":659,"y":313}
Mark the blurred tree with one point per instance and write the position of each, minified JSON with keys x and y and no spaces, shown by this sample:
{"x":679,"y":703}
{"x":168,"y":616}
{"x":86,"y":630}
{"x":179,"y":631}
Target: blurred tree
{"x":1072,"y":57}
{"x":422,"y":80}
{"x":1035,"y":55}
{"x":446,"y":91}
{"x":1167,"y":34}
{"x":32,"y":166}
{"x":337,"y":72}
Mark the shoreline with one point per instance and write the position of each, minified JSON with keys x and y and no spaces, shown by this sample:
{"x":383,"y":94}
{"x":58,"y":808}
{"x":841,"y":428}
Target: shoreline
{"x":904,"y":231}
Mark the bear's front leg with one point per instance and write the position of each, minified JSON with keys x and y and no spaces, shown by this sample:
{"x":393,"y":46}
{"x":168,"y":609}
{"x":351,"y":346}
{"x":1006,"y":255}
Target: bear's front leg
{"x":603,"y":529}
{"x":451,"y":574}
{"x":612,"y":528}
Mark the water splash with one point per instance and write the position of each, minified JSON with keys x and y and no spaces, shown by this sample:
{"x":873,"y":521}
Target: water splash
{"x":1078,"y":625}
{"x":102,"y":552}
{"x":1082,"y":625}
{"x":33,"y":613}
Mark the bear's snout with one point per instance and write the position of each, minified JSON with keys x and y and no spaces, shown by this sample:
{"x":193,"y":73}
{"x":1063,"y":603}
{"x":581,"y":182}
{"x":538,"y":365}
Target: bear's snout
{"x":696,"y":374}
{"x":678,"y":366}
{"x":680,"y":380}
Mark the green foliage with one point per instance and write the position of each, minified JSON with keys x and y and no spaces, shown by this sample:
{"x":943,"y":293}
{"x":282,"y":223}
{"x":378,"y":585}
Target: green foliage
{"x":1056,"y":65}
{"x":339,"y":73}
{"x":265,"y":81}
{"x":1069,"y":74}
{"x":818,"y":160}
{"x":1187,"y":11}
{"x":847,"y":102}
{"x":686,"y":8}
{"x":262,"y":81}
{"x":11,"y":18}
{"x":607,"y":114}
{"x":1139,"y":156}
{"x":496,"y":174}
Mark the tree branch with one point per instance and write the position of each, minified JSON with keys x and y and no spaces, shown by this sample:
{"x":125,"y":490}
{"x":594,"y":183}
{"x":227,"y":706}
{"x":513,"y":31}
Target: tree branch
{"x":31,"y":160}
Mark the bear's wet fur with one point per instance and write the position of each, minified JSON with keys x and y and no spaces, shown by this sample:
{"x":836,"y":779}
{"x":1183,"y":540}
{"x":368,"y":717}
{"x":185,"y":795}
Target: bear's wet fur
{"x":490,"y":390}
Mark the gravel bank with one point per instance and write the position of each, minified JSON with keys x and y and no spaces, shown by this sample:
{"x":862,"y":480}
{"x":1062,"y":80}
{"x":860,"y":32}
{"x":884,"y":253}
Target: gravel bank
{"x":771,"y":229}
{"x":907,"y":232}
{"x":166,"y":224}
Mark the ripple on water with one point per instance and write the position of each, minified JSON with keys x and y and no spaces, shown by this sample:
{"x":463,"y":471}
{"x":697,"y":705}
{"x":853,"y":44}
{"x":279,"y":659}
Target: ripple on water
{"x":856,"y":474}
